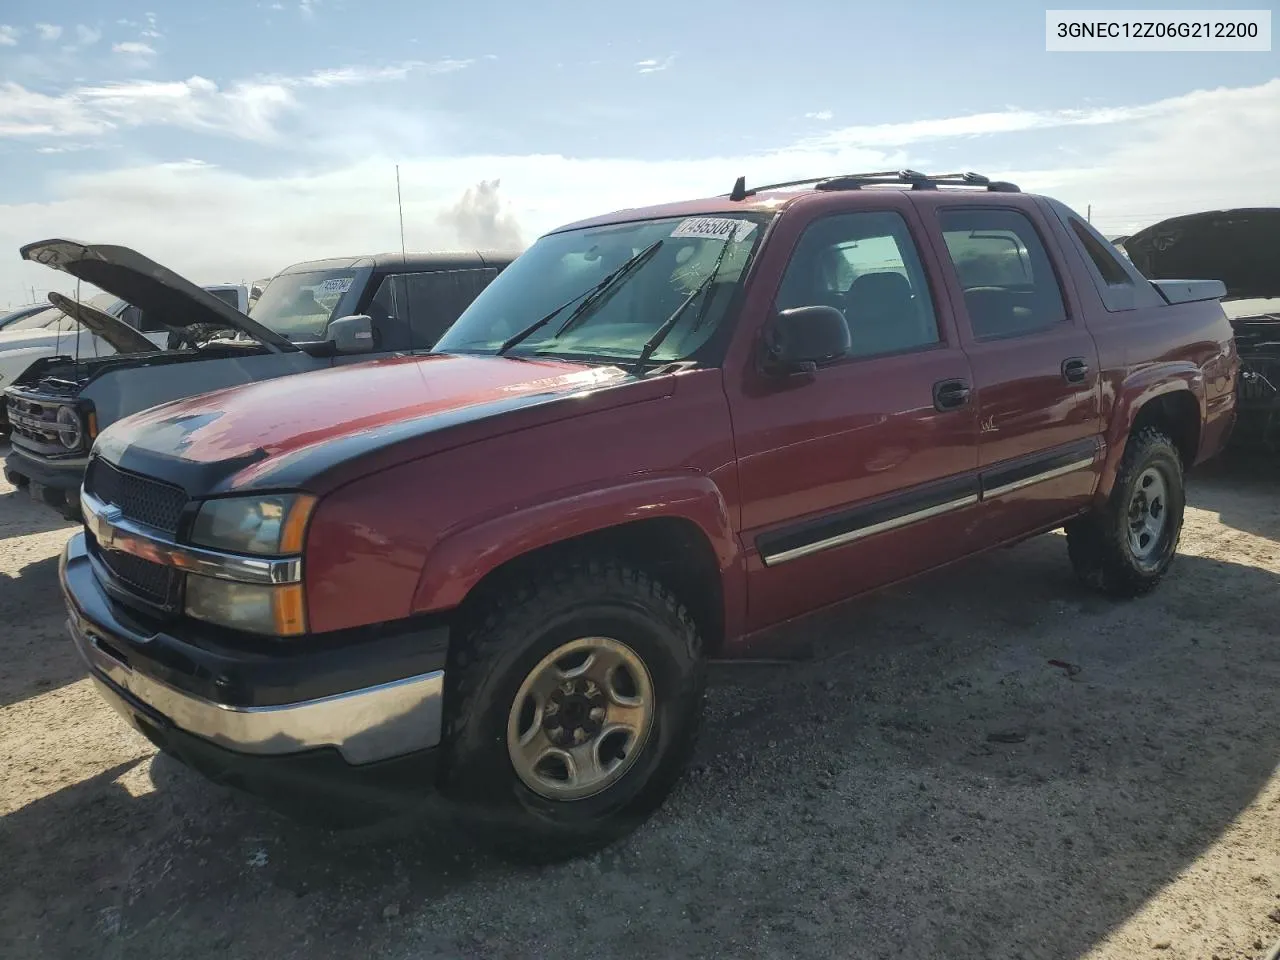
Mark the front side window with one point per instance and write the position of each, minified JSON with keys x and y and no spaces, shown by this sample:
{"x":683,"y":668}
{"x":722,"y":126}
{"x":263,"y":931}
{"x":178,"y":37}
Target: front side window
{"x":1004,"y":270}
{"x":866,"y":265}
{"x":299,"y":306}
{"x":558,"y":272}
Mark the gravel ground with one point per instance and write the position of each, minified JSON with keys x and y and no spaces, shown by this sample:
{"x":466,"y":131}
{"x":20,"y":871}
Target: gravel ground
{"x":931,"y":785}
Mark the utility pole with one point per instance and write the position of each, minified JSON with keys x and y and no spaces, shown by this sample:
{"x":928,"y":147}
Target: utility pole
{"x":1088,"y":213}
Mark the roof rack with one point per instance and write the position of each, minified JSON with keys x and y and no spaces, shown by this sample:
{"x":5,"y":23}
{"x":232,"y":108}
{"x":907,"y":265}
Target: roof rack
{"x":855,"y":181}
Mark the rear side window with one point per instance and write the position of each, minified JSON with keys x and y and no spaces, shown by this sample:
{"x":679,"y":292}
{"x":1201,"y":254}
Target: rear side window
{"x":1103,"y":256}
{"x":1009,"y":284}
{"x":417,"y":308}
{"x":865,"y":265}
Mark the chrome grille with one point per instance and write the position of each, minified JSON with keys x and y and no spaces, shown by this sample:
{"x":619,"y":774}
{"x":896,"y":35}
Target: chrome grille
{"x":140,"y":499}
{"x":151,"y":582}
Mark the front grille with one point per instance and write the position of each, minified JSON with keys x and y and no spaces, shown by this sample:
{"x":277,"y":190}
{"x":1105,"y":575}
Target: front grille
{"x":140,"y":499}
{"x":34,"y":425}
{"x":152,"y":582}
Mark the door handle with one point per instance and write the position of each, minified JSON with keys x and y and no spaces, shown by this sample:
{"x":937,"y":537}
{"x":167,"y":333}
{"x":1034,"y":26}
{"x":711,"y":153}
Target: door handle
{"x":1075,"y":370}
{"x":950,"y":394}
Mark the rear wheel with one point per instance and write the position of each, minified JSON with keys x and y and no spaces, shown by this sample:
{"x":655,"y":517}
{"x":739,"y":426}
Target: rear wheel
{"x":1124,"y":548}
{"x":572,"y":709}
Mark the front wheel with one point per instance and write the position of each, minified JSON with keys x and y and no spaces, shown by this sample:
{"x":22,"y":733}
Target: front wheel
{"x":572,"y":709}
{"x":1124,"y":548}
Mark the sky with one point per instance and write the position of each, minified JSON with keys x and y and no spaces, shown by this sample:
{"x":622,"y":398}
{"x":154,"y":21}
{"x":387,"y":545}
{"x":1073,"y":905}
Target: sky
{"x":229,"y":140}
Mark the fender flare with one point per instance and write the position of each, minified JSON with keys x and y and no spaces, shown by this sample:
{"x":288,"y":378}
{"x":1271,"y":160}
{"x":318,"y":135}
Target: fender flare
{"x":1132,"y":396}
{"x":466,"y":554}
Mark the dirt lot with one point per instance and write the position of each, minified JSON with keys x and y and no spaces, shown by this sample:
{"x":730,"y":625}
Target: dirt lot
{"x":930,"y":786}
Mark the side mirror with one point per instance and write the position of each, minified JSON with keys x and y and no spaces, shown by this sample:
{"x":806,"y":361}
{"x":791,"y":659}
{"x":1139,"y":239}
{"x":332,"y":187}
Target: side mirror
{"x":799,"y":339}
{"x":352,"y":334}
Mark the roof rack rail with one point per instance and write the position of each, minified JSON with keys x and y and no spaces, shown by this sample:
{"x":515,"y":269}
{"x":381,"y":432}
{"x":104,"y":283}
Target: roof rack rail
{"x":855,"y":181}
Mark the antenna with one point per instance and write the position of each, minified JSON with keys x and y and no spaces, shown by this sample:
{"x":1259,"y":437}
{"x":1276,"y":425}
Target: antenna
{"x":404,"y":265}
{"x":78,"y":324}
{"x":400,"y":207}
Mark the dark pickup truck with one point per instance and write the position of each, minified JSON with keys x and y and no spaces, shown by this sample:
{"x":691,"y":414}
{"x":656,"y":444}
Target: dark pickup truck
{"x":498,"y":571}
{"x":310,"y":316}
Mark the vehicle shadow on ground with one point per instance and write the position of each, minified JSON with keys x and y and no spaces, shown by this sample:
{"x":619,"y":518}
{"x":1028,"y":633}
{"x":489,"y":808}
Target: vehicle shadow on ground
{"x":1243,"y":488}
{"x":34,"y":648}
{"x":987,"y":762}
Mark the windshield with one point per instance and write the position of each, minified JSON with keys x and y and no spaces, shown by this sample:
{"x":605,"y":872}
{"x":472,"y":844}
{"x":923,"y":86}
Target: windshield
{"x":53,"y":318}
{"x":36,"y":320}
{"x":561,"y":267}
{"x":299,"y":306}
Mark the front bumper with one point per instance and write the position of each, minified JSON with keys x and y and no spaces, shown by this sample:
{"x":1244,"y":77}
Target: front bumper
{"x":63,"y":475}
{"x":310,"y":724}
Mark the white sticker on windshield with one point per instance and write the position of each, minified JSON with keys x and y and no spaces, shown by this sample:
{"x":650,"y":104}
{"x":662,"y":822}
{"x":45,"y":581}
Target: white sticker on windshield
{"x":714,"y":228}
{"x":336,"y":285}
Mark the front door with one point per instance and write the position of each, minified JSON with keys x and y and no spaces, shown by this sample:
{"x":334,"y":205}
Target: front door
{"x":864,"y":472}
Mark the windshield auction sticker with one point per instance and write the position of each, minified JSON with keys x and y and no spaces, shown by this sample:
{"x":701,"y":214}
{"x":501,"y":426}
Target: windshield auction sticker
{"x":714,"y":228}
{"x":336,"y":285}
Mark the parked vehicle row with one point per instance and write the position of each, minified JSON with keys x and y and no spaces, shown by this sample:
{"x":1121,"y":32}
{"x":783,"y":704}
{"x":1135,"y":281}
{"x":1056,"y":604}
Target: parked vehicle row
{"x":497,"y":569}
{"x":172,"y":339}
{"x":1240,"y":248}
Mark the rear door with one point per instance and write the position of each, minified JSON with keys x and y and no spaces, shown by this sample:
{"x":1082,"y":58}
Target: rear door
{"x":855,"y":476}
{"x":1034,"y":362}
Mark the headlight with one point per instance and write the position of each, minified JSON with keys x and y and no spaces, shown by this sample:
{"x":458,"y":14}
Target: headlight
{"x":70,"y":430}
{"x":265,"y":526}
{"x":274,"y":610}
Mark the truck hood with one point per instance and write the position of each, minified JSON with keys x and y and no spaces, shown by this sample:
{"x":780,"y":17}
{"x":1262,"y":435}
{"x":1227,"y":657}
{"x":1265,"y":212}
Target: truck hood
{"x":282,"y":433}
{"x":122,"y":337}
{"x":1239,"y":247}
{"x":147,"y":285}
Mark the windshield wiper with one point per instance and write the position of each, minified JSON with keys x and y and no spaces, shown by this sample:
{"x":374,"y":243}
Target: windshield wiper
{"x":587,"y":298}
{"x":610,"y":282}
{"x":668,"y":325}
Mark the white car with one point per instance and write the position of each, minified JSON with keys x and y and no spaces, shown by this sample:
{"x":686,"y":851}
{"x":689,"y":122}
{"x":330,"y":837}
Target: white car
{"x":69,"y":330}
{"x":53,"y":332}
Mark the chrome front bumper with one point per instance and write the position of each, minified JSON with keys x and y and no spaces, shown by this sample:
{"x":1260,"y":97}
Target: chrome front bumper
{"x":364,"y":725}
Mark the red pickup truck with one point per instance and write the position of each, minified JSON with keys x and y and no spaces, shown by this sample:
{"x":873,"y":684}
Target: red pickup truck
{"x":498,"y":571}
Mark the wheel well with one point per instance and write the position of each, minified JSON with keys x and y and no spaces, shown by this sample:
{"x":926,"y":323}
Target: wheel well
{"x":1177,"y":415}
{"x":671,"y":549}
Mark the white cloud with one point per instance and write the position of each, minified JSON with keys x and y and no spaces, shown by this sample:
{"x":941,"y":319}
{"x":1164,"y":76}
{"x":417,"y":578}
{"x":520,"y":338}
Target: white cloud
{"x":48,"y":31}
{"x":133,"y":48}
{"x":8,"y":36}
{"x":819,"y":115}
{"x":213,"y":223}
{"x":352,"y":76}
{"x":249,"y":110}
{"x":307,"y":7}
{"x":654,"y":66}
{"x":87,"y":36}
{"x":245,"y":111}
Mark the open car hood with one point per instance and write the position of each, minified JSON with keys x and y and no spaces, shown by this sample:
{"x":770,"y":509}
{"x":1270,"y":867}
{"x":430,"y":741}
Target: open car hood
{"x":147,"y":285}
{"x":122,"y":337}
{"x":1239,"y":247}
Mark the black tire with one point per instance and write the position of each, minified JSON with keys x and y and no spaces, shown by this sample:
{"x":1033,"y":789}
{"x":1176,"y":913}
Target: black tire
{"x":1098,"y":543}
{"x":523,"y":622}
{"x":16,"y":479}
